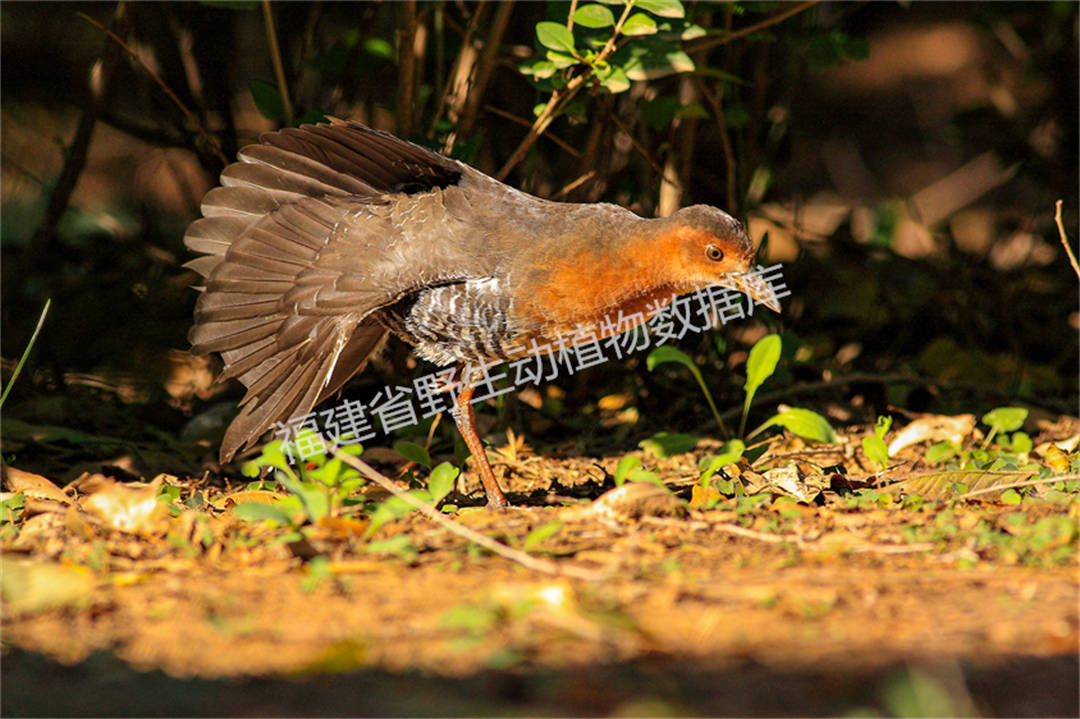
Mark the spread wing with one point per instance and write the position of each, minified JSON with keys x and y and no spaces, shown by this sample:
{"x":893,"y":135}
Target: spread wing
{"x":300,"y":248}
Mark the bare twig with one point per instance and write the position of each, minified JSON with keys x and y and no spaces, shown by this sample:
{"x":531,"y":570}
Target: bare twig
{"x":75,"y":160}
{"x":406,"y":69}
{"x":1014,"y":485}
{"x":514,"y":555}
{"x":467,"y":54}
{"x":522,"y":121}
{"x":1064,"y":238}
{"x":191,"y":117}
{"x":757,"y":27}
{"x":715,"y":102}
{"x":275,"y":57}
{"x":643,"y":152}
{"x":484,"y":67}
{"x":794,"y":539}
{"x":574,"y":185}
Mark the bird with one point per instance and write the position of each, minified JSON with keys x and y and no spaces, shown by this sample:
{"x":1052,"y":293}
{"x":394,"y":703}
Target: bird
{"x":323,"y":240}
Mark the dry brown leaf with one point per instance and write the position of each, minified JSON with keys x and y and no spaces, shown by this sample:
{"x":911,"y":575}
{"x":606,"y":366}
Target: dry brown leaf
{"x":33,"y":485}
{"x":132,"y":507}
{"x":934,"y":428}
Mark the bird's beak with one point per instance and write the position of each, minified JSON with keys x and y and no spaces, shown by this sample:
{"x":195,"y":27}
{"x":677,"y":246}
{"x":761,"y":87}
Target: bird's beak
{"x":754,"y":287}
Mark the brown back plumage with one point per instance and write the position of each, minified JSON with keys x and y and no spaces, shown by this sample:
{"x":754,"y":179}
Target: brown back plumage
{"x":291,"y":317}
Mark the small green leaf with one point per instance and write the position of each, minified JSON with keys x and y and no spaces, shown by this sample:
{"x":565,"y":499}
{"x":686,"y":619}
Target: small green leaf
{"x":1010,"y":496}
{"x":380,"y":48}
{"x":257,"y":512}
{"x":663,"y":444}
{"x":939,"y":452}
{"x":639,"y":24}
{"x":540,"y":69}
{"x":884,"y":424}
{"x":594,"y":16}
{"x":875,"y":449}
{"x":644,"y":475}
{"x":441,"y":481}
{"x":663,"y":8}
{"x":541,"y":534}
{"x":268,"y":100}
{"x":802,"y":422}
{"x":615,"y":81}
{"x":413,"y":452}
{"x":626,"y":465}
{"x":1021,"y":442}
{"x":559,"y":60}
{"x":554,"y":36}
{"x":731,"y":452}
{"x":1005,"y":419}
{"x":399,"y":546}
{"x":667,"y":353}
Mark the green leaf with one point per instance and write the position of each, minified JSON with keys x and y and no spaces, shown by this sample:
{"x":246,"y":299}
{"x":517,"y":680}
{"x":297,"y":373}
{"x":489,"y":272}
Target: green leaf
{"x":761,"y":363}
{"x":1005,"y":419}
{"x":257,"y":512}
{"x":594,"y":16}
{"x":884,"y":424}
{"x":663,"y":8}
{"x":939,"y":452}
{"x":380,"y":48}
{"x":441,"y":481}
{"x":268,"y":100}
{"x":693,"y":111}
{"x":1021,"y":443}
{"x":399,"y":546}
{"x":540,"y":69}
{"x":667,"y":353}
{"x":413,"y":452}
{"x":615,"y":81}
{"x":664,"y":444}
{"x":731,"y":452}
{"x":626,"y":465}
{"x":802,"y":422}
{"x":650,"y":58}
{"x":644,"y":475}
{"x":559,"y":61}
{"x":541,"y":534}
{"x":639,"y":24}
{"x":876,"y":450}
{"x":26,"y":352}
{"x":554,"y":36}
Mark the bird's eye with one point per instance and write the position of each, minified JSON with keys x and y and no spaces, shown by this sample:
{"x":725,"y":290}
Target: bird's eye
{"x":714,"y":253}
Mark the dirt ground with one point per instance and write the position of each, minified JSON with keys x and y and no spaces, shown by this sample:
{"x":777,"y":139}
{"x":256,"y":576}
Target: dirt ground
{"x":765,"y":608}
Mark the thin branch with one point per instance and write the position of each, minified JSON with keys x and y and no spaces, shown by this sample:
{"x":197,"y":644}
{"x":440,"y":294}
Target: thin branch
{"x":484,"y":67}
{"x":644,"y":153}
{"x":1014,"y":485}
{"x":406,"y":87}
{"x":522,"y":121}
{"x":275,"y":56}
{"x":75,"y":160}
{"x":451,"y":78}
{"x":757,"y":27}
{"x":715,"y":102}
{"x":559,"y":100}
{"x":514,"y":555}
{"x":1064,"y":238}
{"x":574,"y":185}
{"x":210,"y":139}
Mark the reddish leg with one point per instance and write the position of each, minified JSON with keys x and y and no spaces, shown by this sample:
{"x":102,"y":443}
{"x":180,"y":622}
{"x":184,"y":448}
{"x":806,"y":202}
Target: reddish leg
{"x":466,"y":424}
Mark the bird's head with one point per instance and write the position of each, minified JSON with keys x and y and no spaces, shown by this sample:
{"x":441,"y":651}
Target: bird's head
{"x":712,"y":247}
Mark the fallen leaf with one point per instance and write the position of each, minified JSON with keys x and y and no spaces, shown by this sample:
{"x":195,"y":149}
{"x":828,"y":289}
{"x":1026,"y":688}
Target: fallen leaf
{"x":33,"y":486}
{"x":934,"y":428}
